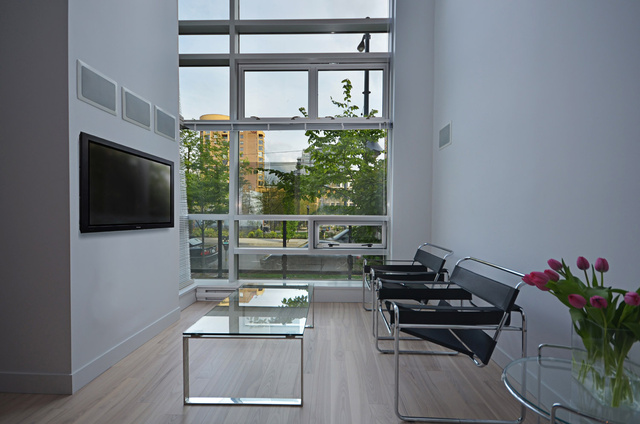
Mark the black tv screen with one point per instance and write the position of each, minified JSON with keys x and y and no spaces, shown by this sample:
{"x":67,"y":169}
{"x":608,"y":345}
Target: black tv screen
{"x":122,"y":188}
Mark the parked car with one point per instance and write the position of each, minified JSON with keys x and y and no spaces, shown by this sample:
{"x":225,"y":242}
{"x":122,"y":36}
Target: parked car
{"x":326,"y":263}
{"x":201,"y":256}
{"x":341,"y":237}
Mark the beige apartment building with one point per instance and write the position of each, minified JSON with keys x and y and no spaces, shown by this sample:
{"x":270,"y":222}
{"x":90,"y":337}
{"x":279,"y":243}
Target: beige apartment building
{"x":251,"y":150}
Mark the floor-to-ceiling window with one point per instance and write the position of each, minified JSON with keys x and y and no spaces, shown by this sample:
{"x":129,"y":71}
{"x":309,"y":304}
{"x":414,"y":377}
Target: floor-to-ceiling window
{"x":285,"y":110}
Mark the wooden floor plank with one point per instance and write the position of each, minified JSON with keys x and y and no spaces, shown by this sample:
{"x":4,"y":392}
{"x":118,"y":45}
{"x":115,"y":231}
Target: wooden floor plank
{"x":346,"y":380}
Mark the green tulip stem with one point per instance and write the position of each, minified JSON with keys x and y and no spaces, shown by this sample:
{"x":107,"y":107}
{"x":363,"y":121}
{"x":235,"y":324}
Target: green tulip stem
{"x":621,"y":387}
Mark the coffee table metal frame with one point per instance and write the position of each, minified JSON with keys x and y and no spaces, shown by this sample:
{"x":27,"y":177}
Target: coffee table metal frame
{"x":258,"y":401}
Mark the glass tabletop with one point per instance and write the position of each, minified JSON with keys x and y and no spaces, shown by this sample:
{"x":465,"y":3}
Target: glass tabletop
{"x":539,"y":382}
{"x":257,"y":310}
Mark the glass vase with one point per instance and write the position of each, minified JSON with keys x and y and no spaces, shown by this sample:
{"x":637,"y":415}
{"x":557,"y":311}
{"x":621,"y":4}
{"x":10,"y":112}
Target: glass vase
{"x":602,"y":370}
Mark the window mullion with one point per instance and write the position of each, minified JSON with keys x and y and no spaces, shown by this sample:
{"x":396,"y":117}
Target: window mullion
{"x":234,"y":95}
{"x":313,"y":92}
{"x":234,"y":48}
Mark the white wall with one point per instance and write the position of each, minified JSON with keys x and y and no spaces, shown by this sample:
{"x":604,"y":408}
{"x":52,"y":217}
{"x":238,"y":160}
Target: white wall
{"x":410,"y":189}
{"x":544,"y":96}
{"x":124,"y":285}
{"x":73,"y":304}
{"x":34,"y":188}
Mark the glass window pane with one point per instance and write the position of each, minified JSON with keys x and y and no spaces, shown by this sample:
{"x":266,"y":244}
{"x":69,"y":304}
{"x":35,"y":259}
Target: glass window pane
{"x":209,"y":249}
{"x":203,"y":90}
{"x":296,"y":9}
{"x":333,"y":84}
{"x":300,"y":267}
{"x":313,"y":173}
{"x":275,"y":93}
{"x":205,"y":159}
{"x":310,"y":43}
{"x":349,"y":236}
{"x":194,"y":10}
{"x":203,"y":43}
{"x":277,"y":234}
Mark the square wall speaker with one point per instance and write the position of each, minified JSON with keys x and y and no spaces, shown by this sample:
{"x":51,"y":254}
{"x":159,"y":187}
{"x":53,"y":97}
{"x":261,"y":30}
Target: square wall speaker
{"x":445,"y":136}
{"x":96,"y":89}
{"x":165,"y":124}
{"x":135,"y":109}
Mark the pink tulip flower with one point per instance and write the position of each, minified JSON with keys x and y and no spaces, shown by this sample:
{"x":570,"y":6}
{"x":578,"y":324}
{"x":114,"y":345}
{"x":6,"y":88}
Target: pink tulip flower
{"x":553,"y":276}
{"x":539,"y":278}
{"x":598,"y":302}
{"x":577,"y":301}
{"x":527,"y":279}
{"x":582,"y":263}
{"x":601,"y":265}
{"x":632,"y":298}
{"x":554,"y":265}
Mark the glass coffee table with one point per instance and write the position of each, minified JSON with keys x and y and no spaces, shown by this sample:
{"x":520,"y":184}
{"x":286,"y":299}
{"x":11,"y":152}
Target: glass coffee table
{"x":545,"y":385}
{"x":253,"y":312}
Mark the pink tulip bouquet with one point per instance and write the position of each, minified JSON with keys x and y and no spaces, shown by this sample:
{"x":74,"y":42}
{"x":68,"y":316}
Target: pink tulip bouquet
{"x":606,"y":319}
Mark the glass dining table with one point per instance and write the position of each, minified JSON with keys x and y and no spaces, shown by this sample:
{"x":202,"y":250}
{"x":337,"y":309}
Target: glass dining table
{"x":546,"y":386}
{"x":253,"y":312}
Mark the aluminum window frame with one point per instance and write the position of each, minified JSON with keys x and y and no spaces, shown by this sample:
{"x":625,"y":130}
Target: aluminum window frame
{"x":314,"y":221}
{"x":312,"y":69}
{"x":237,"y":62}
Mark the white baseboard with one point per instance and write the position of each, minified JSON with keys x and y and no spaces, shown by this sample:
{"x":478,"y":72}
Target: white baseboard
{"x":66,"y":384}
{"x":105,"y":361}
{"x":187,"y":296}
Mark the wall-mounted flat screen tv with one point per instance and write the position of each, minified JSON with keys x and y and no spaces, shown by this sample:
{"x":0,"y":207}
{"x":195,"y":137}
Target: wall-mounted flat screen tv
{"x":122,"y":188}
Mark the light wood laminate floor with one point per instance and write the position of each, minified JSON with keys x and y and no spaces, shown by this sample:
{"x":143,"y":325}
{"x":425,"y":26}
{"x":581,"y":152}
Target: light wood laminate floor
{"x":345,"y":380}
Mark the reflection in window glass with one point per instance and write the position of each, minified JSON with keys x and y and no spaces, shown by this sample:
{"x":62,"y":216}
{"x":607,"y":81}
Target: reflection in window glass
{"x":325,"y":9}
{"x":310,"y":43}
{"x":201,"y":91}
{"x":270,"y":233}
{"x":344,"y":235}
{"x":341,"y":172}
{"x":205,"y":159}
{"x":203,"y":43}
{"x":209,"y":249}
{"x":300,"y":267}
{"x":331,"y":87}
{"x":275,"y":93}
{"x":304,"y":267}
{"x":194,"y":10}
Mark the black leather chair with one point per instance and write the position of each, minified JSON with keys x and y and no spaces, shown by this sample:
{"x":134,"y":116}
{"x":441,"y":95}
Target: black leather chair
{"x":472,"y":328}
{"x":424,"y":263}
{"x":416,"y":282}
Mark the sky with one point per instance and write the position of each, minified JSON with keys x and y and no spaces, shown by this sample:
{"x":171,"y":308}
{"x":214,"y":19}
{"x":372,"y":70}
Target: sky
{"x":206,"y":90}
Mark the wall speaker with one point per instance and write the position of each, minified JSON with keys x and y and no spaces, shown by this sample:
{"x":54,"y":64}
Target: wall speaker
{"x":135,"y":109}
{"x":96,"y":89}
{"x":165,"y":124}
{"x":445,"y":136}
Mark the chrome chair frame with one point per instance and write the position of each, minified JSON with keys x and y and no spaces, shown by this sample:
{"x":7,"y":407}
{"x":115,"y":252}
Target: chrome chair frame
{"x":395,"y":327}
